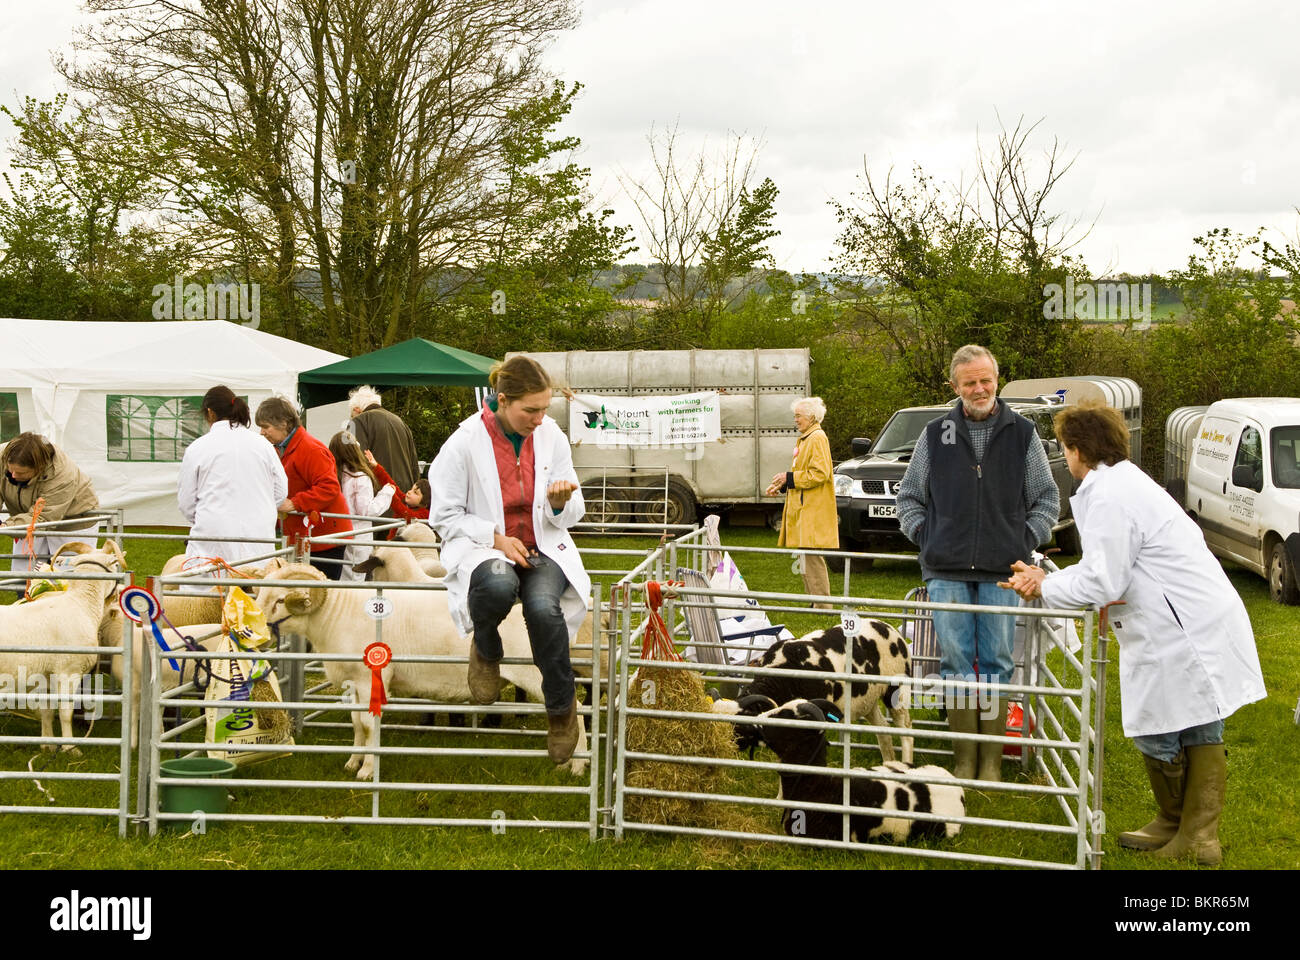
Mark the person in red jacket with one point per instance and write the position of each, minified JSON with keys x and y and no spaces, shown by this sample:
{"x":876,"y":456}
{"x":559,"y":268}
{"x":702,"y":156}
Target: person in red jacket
{"x":313,"y":484}
{"x":411,"y":504}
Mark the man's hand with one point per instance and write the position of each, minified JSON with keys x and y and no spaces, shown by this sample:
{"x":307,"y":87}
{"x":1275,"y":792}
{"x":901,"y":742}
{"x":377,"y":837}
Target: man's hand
{"x":774,"y":488}
{"x":513,"y":548}
{"x":558,"y":493}
{"x":285,"y":507}
{"x":1026,"y":580}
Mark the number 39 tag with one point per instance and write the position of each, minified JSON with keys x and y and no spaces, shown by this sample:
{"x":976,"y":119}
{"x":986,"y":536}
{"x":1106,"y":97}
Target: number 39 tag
{"x":378,"y":607}
{"x":851,"y":623}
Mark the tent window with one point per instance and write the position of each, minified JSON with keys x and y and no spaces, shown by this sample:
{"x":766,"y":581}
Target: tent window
{"x":152,"y":429}
{"x":8,"y":417}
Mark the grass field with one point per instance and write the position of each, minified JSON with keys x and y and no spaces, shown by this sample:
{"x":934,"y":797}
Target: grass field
{"x":1261,"y":741}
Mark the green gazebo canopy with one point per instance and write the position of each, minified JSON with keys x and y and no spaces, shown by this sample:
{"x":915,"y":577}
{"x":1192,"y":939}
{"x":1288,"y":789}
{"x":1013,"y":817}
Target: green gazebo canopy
{"x":413,"y":363}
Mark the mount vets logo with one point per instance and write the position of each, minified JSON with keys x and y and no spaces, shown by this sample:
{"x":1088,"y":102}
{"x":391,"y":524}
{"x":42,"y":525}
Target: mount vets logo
{"x":75,"y":913}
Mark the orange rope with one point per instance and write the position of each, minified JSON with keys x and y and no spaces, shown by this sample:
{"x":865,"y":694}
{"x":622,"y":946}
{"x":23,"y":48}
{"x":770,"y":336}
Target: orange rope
{"x":657,"y":644}
{"x":37,"y":507}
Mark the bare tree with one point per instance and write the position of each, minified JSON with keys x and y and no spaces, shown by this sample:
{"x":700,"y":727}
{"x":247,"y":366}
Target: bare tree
{"x":932,"y":266}
{"x":704,"y":226}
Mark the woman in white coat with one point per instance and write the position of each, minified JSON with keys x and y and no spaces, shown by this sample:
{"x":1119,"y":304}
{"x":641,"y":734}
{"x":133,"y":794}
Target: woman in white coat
{"x":1187,"y":651}
{"x":504,"y":496}
{"x":230,"y":483}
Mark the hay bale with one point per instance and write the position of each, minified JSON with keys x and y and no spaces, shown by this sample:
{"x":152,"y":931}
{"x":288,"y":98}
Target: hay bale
{"x":680,"y":690}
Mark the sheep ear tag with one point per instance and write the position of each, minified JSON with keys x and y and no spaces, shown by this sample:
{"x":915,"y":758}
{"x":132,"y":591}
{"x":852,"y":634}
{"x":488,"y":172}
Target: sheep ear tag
{"x":376,"y":657}
{"x":142,"y":607}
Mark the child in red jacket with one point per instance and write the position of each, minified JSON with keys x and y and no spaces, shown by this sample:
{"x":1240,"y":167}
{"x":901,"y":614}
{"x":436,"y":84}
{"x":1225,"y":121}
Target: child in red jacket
{"x":410,"y":505}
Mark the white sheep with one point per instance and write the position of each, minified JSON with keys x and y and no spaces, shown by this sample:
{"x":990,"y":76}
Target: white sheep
{"x":396,"y":564}
{"x":334,"y":621}
{"x":428,"y":557}
{"x":63,"y":618}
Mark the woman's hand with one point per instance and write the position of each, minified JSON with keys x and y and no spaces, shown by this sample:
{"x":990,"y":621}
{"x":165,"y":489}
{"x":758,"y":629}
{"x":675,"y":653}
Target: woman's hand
{"x":774,"y":488}
{"x":370,"y":459}
{"x":285,"y":507}
{"x":1025,"y":580}
{"x":559,"y":493}
{"x":513,"y":548}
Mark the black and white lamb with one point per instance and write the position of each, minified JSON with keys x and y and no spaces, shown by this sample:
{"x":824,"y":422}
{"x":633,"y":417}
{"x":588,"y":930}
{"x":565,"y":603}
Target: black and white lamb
{"x":879,"y":650}
{"x":807,"y":747}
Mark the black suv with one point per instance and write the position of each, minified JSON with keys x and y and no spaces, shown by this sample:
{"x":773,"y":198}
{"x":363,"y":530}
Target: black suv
{"x":866,"y":487}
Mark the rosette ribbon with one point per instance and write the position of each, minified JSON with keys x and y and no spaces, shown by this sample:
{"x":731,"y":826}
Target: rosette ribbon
{"x":376,"y":657}
{"x":139,"y":606}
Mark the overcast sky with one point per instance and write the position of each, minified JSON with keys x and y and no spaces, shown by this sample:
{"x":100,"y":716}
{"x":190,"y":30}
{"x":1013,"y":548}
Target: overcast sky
{"x":1184,"y":115}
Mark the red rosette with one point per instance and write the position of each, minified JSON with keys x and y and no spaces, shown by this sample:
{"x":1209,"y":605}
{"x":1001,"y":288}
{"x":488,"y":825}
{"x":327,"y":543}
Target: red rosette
{"x":376,"y":657}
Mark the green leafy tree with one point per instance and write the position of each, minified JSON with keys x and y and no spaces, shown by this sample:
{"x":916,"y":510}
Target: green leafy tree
{"x":74,"y":225}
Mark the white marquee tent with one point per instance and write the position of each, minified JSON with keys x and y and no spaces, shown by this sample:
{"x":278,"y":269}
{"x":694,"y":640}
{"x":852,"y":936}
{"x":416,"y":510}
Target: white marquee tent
{"x":122,"y":399}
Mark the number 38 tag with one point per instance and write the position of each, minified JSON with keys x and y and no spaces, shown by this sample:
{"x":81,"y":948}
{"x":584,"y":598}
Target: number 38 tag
{"x":851,"y":623}
{"x":378,"y":607}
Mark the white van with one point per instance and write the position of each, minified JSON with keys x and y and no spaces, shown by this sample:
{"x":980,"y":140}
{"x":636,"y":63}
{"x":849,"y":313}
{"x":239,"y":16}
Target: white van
{"x":1239,"y":462}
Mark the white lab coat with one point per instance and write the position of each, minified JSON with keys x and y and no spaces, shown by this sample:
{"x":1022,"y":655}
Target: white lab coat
{"x":1187,"y":651}
{"x":362,"y":501}
{"x":467,"y":511}
{"x":230,"y":484}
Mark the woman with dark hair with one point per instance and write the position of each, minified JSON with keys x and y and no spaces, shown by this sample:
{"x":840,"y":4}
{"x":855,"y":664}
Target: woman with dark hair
{"x":230,"y":483}
{"x":1187,"y":653}
{"x":504,"y":496}
{"x":313,"y":484}
{"x":32,"y":468}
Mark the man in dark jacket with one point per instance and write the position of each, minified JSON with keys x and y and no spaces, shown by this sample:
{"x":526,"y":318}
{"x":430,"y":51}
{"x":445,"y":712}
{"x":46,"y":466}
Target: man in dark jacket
{"x":977,"y":496}
{"x":386,"y":436}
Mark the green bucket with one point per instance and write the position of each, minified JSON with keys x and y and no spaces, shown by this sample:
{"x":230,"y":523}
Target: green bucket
{"x":182,"y":798}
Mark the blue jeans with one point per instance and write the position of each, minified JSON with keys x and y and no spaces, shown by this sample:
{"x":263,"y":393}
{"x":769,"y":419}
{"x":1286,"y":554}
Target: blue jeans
{"x":1167,"y":746}
{"x":493,"y":587}
{"x":967,"y":637}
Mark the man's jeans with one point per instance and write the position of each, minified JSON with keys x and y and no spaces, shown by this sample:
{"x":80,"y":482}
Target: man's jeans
{"x":966,"y":637}
{"x":493,"y":587}
{"x":1167,"y":746}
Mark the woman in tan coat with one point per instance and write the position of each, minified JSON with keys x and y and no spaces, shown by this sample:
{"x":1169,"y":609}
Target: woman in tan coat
{"x":809,"y":519}
{"x":31,"y":468}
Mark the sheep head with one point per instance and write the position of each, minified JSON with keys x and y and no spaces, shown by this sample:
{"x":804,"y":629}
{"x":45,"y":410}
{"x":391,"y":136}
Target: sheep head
{"x":282,"y":603}
{"x":792,"y":745}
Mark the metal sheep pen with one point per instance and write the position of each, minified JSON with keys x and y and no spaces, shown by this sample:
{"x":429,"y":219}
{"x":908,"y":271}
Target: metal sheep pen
{"x":1069,"y":765}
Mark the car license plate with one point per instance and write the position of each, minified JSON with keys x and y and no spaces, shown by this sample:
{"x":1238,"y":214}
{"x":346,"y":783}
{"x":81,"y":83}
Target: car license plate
{"x":883,"y":510}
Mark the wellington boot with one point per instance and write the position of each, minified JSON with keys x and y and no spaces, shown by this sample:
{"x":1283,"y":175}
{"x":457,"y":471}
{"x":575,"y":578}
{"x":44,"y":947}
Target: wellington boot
{"x":991,"y":753}
{"x":964,"y":720}
{"x":1198,"y":830}
{"x":1167,"y":781}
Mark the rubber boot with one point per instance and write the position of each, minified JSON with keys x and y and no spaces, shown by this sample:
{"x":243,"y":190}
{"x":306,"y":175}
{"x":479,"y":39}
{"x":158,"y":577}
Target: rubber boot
{"x":990,"y":754}
{"x":1167,"y":781}
{"x":964,"y":720}
{"x":1198,"y":830}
